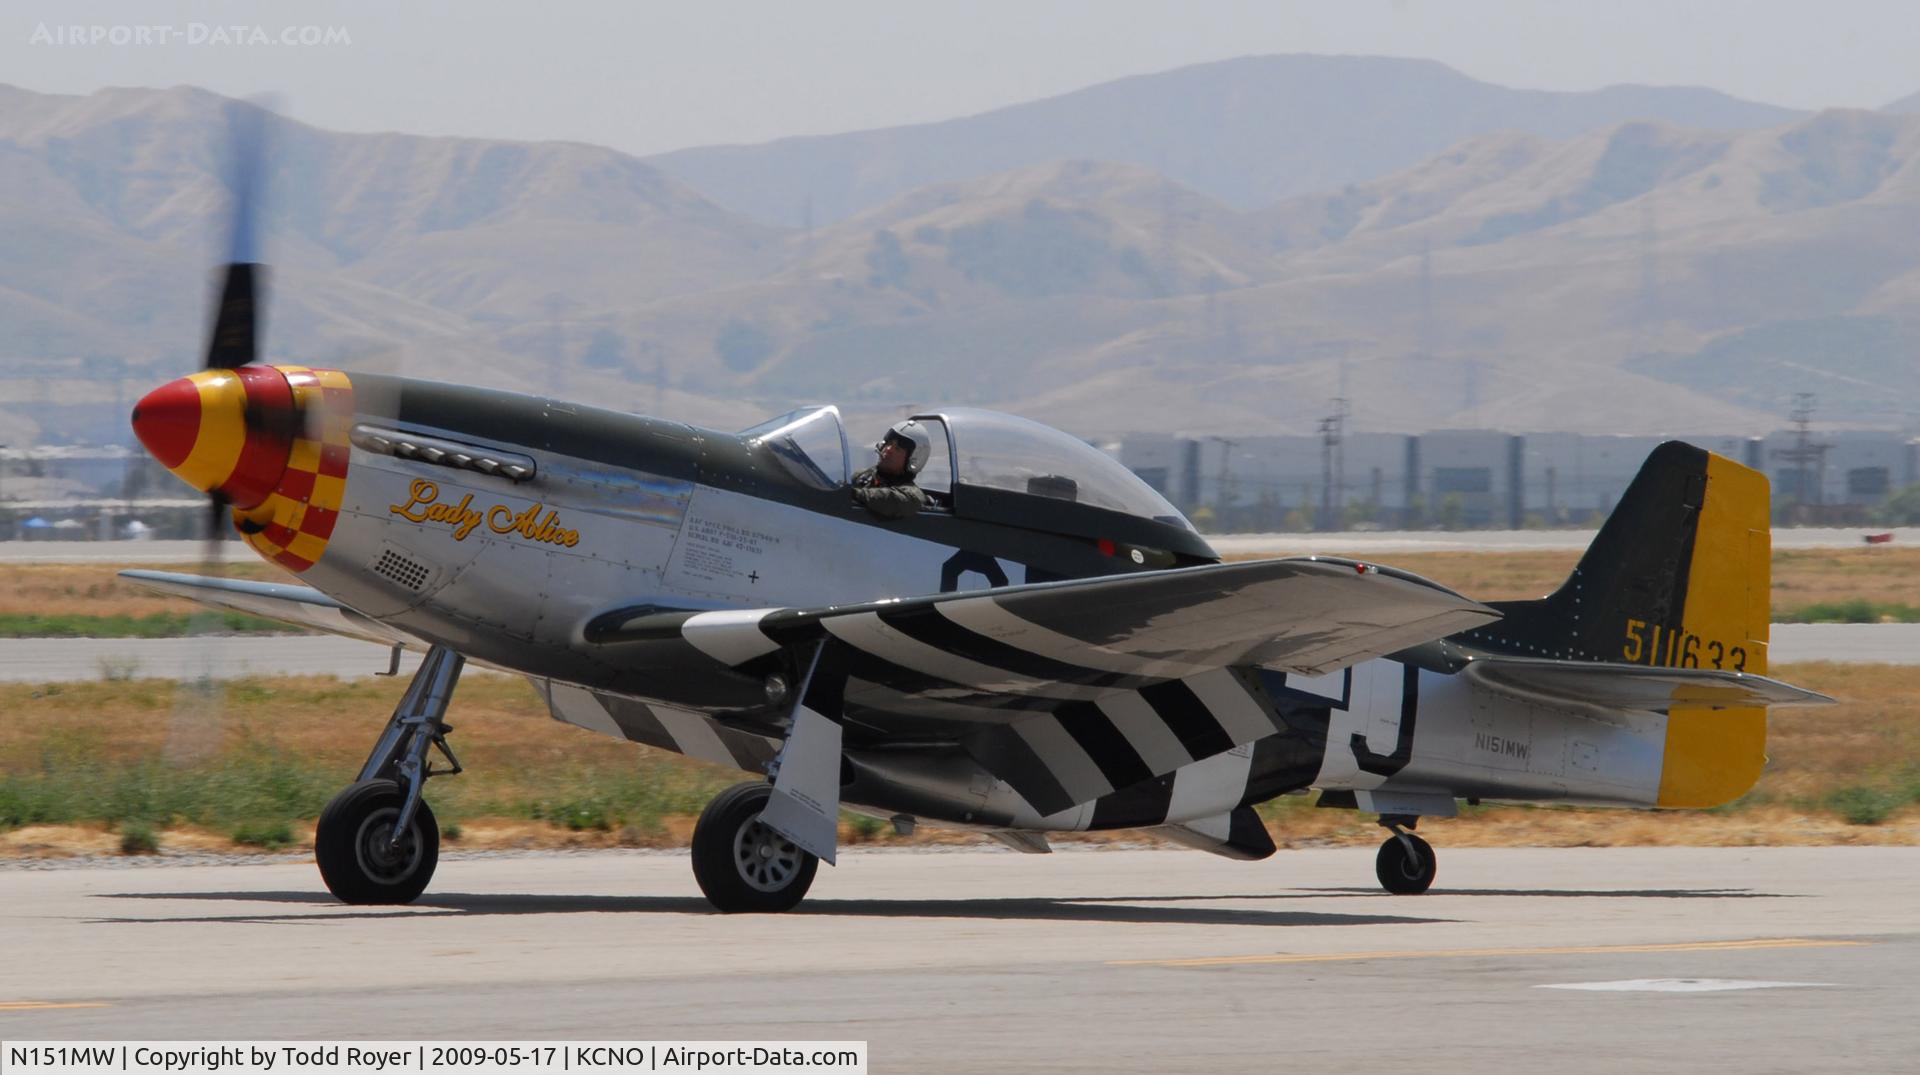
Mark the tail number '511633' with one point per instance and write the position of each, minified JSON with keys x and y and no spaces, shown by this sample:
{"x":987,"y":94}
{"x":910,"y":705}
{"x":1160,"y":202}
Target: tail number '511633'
{"x":1651,"y":643}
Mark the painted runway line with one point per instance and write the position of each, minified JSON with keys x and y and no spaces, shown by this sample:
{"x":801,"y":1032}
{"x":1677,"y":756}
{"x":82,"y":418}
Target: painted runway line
{"x":1681,"y":985}
{"x":1458,"y":953}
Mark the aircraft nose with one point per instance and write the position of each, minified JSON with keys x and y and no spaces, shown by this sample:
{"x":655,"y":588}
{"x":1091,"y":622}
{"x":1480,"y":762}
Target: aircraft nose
{"x":167,"y":420}
{"x":228,"y":431}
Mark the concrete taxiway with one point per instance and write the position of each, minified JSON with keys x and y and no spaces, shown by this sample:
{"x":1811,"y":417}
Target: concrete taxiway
{"x":1603,"y":960}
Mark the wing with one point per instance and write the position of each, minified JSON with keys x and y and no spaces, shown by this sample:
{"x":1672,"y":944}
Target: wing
{"x":1634,"y":686}
{"x":1076,"y":638}
{"x":302,"y":606}
{"x":1071,"y":690}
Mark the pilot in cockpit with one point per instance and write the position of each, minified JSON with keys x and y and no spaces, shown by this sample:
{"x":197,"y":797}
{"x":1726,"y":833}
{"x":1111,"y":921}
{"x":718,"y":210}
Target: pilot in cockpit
{"x":886,"y":489}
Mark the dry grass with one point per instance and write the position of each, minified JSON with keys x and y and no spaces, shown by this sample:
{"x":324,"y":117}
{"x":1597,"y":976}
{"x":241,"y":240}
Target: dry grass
{"x":95,"y":590}
{"x":528,"y":774}
{"x":1872,"y":737}
{"x":329,"y":722}
{"x":1757,"y":826}
{"x":1809,"y":576}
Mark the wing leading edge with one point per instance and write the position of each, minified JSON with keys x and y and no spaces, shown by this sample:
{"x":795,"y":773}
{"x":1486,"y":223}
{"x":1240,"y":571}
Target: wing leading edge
{"x":302,"y":606}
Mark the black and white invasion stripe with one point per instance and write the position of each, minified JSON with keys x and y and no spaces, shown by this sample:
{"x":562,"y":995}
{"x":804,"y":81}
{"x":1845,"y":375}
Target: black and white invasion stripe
{"x":1075,"y":692}
{"x":678,"y":730}
{"x":1088,"y":751}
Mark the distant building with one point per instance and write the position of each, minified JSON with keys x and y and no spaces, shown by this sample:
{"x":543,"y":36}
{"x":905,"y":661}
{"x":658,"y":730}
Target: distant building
{"x":1470,"y":478}
{"x":1858,"y":468}
{"x":1573,"y":479}
{"x":1489,"y":479}
{"x":1165,"y":462}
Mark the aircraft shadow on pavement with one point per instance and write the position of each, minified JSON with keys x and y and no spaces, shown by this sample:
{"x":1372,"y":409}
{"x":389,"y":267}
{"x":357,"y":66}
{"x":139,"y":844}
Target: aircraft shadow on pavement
{"x":1146,"y":910}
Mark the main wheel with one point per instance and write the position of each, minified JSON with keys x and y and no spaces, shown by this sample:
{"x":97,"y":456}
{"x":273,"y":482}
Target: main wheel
{"x":1405,"y":875}
{"x":353,"y":845}
{"x":741,"y":864}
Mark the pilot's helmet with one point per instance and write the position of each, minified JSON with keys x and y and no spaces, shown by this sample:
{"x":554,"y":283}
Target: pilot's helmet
{"x":919,"y":444}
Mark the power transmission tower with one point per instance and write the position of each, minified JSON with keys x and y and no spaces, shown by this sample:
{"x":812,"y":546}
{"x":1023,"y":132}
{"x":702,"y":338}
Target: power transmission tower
{"x":556,"y":306}
{"x":1332,"y":466}
{"x":1805,"y":455}
{"x":806,"y":229}
{"x":1222,"y":490}
{"x":1426,"y":299}
{"x":1646,"y":308}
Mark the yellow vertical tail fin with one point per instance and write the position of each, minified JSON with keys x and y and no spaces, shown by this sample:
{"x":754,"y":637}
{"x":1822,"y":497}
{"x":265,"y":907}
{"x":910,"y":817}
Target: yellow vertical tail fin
{"x":1678,"y":576}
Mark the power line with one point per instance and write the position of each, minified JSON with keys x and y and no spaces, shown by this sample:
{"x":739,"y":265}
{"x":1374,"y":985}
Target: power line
{"x":1805,"y":453}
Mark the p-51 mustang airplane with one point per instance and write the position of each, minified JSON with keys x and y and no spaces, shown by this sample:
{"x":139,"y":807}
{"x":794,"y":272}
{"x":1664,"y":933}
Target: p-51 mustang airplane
{"x":1045,"y":646}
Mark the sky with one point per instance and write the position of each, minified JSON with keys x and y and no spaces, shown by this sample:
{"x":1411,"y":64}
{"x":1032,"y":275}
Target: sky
{"x":649,"y":77}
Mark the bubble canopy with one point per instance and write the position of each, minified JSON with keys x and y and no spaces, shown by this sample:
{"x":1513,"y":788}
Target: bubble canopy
{"x":996,"y":467}
{"x":1000,"y":451}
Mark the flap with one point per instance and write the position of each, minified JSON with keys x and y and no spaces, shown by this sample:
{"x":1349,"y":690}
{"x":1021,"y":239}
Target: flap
{"x":1238,"y":834}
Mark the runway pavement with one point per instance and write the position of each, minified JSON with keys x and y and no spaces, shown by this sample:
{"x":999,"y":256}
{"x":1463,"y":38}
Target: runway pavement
{"x":123,"y":552}
{"x":50,"y":660}
{"x":1846,"y":643}
{"x":56,"y":660}
{"x":1574,"y":960}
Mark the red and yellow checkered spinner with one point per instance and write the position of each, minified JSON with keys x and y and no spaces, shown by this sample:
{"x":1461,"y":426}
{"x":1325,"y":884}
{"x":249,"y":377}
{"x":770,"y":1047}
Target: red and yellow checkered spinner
{"x":270,"y":440}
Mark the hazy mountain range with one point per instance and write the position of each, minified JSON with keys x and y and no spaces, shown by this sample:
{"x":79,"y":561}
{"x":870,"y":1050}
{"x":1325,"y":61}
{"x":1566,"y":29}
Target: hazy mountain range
{"x":1247,"y":132}
{"x":1217,"y":249}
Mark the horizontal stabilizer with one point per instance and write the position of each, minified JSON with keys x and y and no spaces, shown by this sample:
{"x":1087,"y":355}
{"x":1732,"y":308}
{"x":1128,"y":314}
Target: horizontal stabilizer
{"x":1634,"y":686}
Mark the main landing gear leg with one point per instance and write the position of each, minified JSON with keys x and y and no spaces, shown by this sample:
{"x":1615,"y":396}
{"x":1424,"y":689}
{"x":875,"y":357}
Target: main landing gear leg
{"x":757,"y":846}
{"x":378,"y":841}
{"x":1405,"y":864}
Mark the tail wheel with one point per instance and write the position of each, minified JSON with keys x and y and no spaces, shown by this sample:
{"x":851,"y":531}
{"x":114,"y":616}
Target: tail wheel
{"x":353,"y":845}
{"x":741,"y":863}
{"x":1403,"y":873}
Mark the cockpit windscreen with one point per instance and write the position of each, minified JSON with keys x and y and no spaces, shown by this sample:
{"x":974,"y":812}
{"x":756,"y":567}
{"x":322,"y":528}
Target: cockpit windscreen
{"x":810,"y":443}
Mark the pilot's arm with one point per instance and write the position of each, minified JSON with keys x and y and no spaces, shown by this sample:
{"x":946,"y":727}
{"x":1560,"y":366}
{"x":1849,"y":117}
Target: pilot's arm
{"x":889,"y":501}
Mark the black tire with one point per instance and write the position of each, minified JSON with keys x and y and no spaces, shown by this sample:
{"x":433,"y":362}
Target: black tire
{"x":350,"y":845}
{"x":741,"y":864}
{"x":1402,"y":875}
